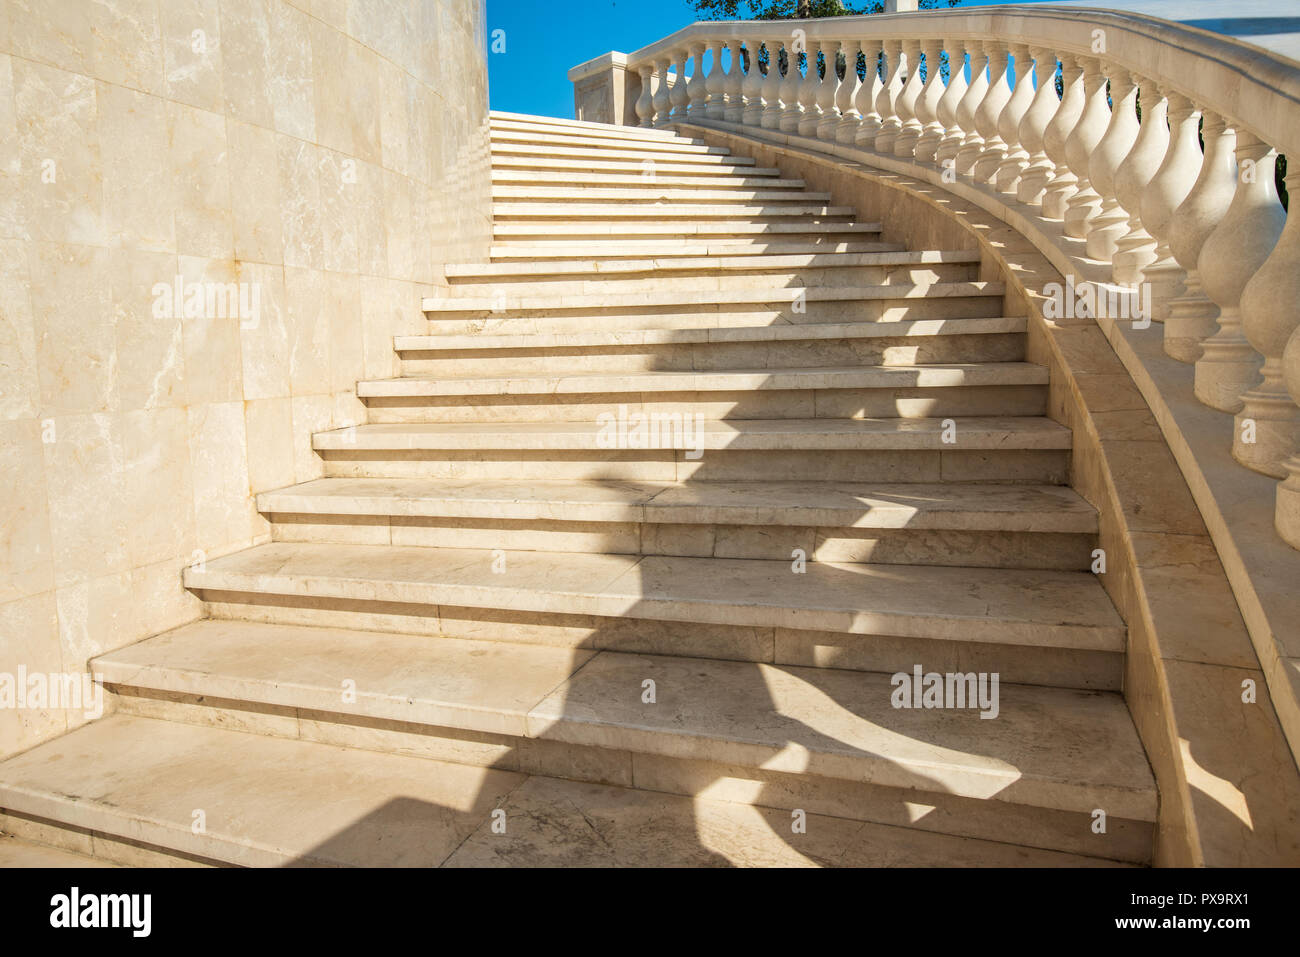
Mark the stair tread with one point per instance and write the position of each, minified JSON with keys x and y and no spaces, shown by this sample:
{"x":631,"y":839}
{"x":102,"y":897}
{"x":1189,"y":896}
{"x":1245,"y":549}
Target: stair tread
{"x":656,"y":192}
{"x":784,"y":295}
{"x":560,"y":250}
{"x":1046,"y":508}
{"x":626,"y":231}
{"x":1024,"y":607}
{"x":975,"y":432}
{"x":141,"y":778}
{"x":815,"y":260}
{"x":938,"y":375}
{"x":788,"y":331}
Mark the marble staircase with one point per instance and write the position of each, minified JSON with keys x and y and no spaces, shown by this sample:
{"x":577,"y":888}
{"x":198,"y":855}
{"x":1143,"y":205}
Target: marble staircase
{"x":503,"y":629}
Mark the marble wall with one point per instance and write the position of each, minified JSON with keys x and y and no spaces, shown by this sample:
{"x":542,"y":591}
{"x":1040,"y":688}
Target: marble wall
{"x":321,"y":158}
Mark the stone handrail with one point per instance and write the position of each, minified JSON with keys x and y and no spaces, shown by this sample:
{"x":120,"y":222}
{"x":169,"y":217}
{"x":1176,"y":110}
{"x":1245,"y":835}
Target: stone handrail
{"x":1142,"y":210}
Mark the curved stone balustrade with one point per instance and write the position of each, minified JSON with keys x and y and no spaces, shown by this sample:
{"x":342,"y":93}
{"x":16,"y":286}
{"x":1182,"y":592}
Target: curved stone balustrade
{"x":1198,"y":227}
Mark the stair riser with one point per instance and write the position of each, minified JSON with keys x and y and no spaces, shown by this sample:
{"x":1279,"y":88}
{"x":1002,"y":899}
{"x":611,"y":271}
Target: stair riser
{"x":903,"y":403}
{"x":564,"y":251}
{"x":714,"y":316}
{"x":640,"y":179}
{"x":985,"y":549}
{"x":919,"y":350}
{"x":704,"y":278}
{"x":1040,"y":467}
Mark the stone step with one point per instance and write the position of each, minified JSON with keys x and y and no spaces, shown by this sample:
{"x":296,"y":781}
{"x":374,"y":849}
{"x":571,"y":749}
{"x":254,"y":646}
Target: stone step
{"x":789,"y":298}
{"x":15,"y":852}
{"x":595,"y":148}
{"x":649,"y":338}
{"x":654,"y":193}
{"x":594,"y":268}
{"x":597,"y":138}
{"x":274,"y":802}
{"x":707,"y":165}
{"x":522,"y":121}
{"x":610,"y":250}
{"x":719,"y":380}
{"x":1035,"y":608}
{"x":724,"y":520}
{"x":772,"y":717}
{"x":575,"y":213}
{"x":624,"y":232}
{"x":748,"y":179}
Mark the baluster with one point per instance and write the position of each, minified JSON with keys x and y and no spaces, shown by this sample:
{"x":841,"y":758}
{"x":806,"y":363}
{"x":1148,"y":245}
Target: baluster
{"x":697,"y":90}
{"x":1064,"y":182}
{"x":990,"y":110}
{"x":827,"y":92}
{"x":1270,"y":315}
{"x":1083,"y":206}
{"x":1033,"y":127}
{"x":733,"y":104}
{"x":1192,"y":315}
{"x":752,"y":87}
{"x":1111,"y":221}
{"x":948,"y":103}
{"x":887,"y":101}
{"x":1286,"y":513}
{"x":868,"y":93}
{"x":972,"y":142}
{"x":662,"y":103}
{"x":808,"y":90}
{"x":910,"y":131}
{"x":1136,"y":248}
{"x":927,"y":105}
{"x":715,"y":83}
{"x":790,"y":92}
{"x":645,"y":102}
{"x":1006,"y":178}
{"x":1167,"y":189}
{"x":846,"y":96}
{"x":679,"y":96}
{"x":773,"y":109}
{"x":1235,"y":251}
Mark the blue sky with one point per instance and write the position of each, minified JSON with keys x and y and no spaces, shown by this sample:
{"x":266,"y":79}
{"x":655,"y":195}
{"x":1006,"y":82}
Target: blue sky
{"x":542,"y":43}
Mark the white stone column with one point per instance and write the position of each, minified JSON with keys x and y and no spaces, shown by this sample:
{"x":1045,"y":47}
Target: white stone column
{"x":791,"y":111}
{"x":910,"y":131}
{"x":645,"y":102}
{"x":752,"y":88}
{"x":679,"y":96}
{"x":1163,"y":195}
{"x":1111,"y":222}
{"x":1063,"y":182}
{"x":948,"y":104}
{"x":890,"y":125}
{"x":1083,"y":206}
{"x":826,"y":93}
{"x":996,"y":97}
{"x":869,"y":92}
{"x":662,"y":103}
{"x":808,"y":94}
{"x":1270,"y":316}
{"x":773,"y":82}
{"x":1286,"y":513}
{"x":1192,"y":316}
{"x":733,"y":88}
{"x":1235,"y":251}
{"x":846,"y":96}
{"x":1007,"y":176}
{"x":927,"y":105}
{"x":1136,"y":248}
{"x":972,"y":142}
{"x":697,"y":91}
{"x":1032,"y":134}
{"x":715,"y":84}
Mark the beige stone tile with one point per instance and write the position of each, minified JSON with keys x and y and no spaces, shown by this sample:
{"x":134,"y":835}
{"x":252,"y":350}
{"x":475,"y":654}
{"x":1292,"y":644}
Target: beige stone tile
{"x":126,"y":43}
{"x":311,"y":414}
{"x":19,"y":853}
{"x":19,"y":383}
{"x":57,"y":32}
{"x":246,"y":61}
{"x":160,"y":599}
{"x":264,"y":338}
{"x":221,"y":492}
{"x":139,"y":186}
{"x":269,"y":426}
{"x":31,"y":640}
{"x":338,"y":215}
{"x":94,"y":617}
{"x":293,"y":102}
{"x":61,"y":184}
{"x":192,"y":52}
{"x":11,"y":172}
{"x":254,"y":163}
{"x":159,"y":485}
{"x":213,"y":366}
{"x":76,"y":350}
{"x":26,"y":551}
{"x":308,"y":322}
{"x":90,"y":532}
{"x":343,"y":306}
{"x":300,"y":215}
{"x":202,"y":181}
{"x":149,"y":335}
